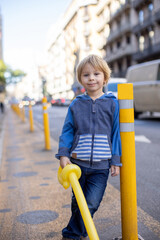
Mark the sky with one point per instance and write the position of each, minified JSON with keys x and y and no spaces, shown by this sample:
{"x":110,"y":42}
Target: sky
{"x":25,"y":27}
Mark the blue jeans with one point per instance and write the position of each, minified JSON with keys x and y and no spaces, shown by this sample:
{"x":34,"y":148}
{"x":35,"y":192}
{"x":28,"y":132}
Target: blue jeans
{"x":93,"y":183}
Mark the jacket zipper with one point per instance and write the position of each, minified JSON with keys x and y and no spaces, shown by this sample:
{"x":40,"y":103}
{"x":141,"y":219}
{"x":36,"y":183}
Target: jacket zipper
{"x":93,"y":130}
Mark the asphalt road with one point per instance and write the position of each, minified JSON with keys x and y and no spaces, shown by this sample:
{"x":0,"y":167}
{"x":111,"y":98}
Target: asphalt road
{"x":147,"y":139}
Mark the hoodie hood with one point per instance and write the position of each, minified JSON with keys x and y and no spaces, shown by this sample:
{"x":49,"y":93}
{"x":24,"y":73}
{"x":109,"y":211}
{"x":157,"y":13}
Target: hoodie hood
{"x":85,"y":96}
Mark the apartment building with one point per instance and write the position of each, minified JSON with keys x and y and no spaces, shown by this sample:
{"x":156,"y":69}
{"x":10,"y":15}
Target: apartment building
{"x":134,"y":34}
{"x":1,"y":46}
{"x":73,"y":38}
{"x":147,"y":30}
{"x":123,"y":32}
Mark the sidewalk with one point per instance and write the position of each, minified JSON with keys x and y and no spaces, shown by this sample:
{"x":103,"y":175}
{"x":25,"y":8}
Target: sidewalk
{"x":2,"y":119}
{"x":33,"y":205}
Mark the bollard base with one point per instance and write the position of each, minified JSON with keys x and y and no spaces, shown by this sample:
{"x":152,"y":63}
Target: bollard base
{"x":120,"y":238}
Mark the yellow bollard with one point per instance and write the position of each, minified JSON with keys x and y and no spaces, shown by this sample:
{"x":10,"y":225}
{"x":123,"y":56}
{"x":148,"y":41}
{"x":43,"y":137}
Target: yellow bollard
{"x":70,"y":175}
{"x":128,"y":170}
{"x":31,"y":117}
{"x":18,"y":111}
{"x":46,"y":124}
{"x":23,"y":113}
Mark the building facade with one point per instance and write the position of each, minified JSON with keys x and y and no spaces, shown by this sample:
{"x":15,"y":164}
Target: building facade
{"x":1,"y":46}
{"x":123,"y":32}
{"x":72,"y":39}
{"x":134,"y":34}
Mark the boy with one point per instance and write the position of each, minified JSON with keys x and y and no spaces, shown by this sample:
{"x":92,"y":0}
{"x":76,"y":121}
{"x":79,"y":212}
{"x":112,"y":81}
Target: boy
{"x":90,"y":138}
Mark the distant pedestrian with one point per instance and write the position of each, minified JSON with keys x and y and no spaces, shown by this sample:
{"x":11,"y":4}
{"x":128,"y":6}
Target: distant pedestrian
{"x":2,"y":107}
{"x":2,"y":97}
{"x":91,"y":139}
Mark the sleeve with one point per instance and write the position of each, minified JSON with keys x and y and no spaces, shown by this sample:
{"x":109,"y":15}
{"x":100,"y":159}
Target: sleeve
{"x":116,"y":139}
{"x":67,"y":135}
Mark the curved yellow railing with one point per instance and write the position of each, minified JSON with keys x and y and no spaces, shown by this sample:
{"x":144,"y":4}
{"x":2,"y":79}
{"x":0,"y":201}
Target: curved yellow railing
{"x":70,"y":175}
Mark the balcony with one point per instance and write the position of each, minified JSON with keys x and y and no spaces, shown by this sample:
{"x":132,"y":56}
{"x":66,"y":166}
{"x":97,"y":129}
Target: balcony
{"x":86,"y":18}
{"x":119,"y":53}
{"x":86,"y":33}
{"x":157,"y":16}
{"x":101,"y":24}
{"x":120,"y":74}
{"x":119,"y":32}
{"x":119,"y":11}
{"x":139,"y":3}
{"x":148,"y":54}
{"x":142,"y":26}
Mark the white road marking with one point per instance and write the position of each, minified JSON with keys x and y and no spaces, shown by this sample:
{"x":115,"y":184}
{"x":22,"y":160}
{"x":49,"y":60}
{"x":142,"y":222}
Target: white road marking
{"x":142,"y":138}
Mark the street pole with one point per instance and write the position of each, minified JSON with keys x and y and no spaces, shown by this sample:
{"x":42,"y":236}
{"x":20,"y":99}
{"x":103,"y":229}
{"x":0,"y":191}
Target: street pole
{"x":128,"y":169}
{"x":46,"y":124}
{"x":31,"y":117}
{"x":23,"y":113}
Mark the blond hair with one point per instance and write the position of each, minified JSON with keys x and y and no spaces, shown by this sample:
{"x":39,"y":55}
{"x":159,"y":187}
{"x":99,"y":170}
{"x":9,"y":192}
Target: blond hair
{"x":97,"y":63}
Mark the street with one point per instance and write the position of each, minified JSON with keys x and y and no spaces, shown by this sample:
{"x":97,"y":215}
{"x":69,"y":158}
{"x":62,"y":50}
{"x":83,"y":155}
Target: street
{"x":147,"y":139}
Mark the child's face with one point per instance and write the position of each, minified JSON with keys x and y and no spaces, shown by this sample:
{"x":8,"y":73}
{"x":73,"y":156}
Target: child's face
{"x":92,"y":79}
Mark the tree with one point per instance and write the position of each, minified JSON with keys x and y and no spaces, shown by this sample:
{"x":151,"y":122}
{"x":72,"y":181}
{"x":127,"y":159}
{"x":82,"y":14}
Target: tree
{"x":7,"y":75}
{"x":15,"y":76}
{"x":3,"y":69}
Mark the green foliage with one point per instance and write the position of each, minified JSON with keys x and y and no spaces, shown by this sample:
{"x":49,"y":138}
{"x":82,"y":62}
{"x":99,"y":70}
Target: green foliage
{"x":18,"y":73}
{"x":3,"y":69}
{"x":7,"y":75}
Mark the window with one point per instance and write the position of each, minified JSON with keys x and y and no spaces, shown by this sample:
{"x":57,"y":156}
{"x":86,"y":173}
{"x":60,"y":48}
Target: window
{"x":111,"y":48}
{"x":128,"y":17}
{"x":128,"y":62}
{"x":118,"y":44}
{"x":120,"y":66}
{"x":87,"y":42}
{"x":86,"y":11}
{"x":141,"y":16}
{"x":111,"y":66}
{"x":118,"y":23}
{"x":128,"y":39}
{"x":150,"y":7}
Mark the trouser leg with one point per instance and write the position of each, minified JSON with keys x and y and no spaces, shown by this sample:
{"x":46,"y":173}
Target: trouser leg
{"x":93,"y":183}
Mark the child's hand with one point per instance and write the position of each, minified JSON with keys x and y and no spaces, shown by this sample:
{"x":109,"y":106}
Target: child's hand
{"x":114,"y":170}
{"x":64,"y":161}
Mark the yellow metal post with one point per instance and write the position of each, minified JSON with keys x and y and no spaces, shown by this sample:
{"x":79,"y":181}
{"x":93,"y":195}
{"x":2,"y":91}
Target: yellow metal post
{"x":70,"y":175}
{"x":46,"y":124}
{"x":18,"y":110}
{"x":23,"y":113}
{"x":128,"y":170}
{"x":31,"y":117}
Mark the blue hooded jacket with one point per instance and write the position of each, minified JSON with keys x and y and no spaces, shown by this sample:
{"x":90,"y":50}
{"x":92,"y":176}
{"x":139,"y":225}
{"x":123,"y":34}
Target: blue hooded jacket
{"x":90,"y":135}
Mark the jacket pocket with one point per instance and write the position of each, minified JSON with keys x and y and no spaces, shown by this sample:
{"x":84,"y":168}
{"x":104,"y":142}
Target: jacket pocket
{"x":75,"y":142}
{"x":101,"y":148}
{"x":82,"y":149}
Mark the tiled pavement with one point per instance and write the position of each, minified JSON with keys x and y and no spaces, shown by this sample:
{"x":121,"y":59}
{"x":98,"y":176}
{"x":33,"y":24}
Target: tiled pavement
{"x":2,"y":121}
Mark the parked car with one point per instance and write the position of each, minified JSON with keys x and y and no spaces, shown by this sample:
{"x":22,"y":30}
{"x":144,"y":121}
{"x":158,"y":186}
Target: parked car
{"x":60,"y":102}
{"x":39,"y":102}
{"x":26,"y":101}
{"x":53,"y":101}
{"x":66,"y":102}
{"x":112,"y":85}
{"x":146,"y":85}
